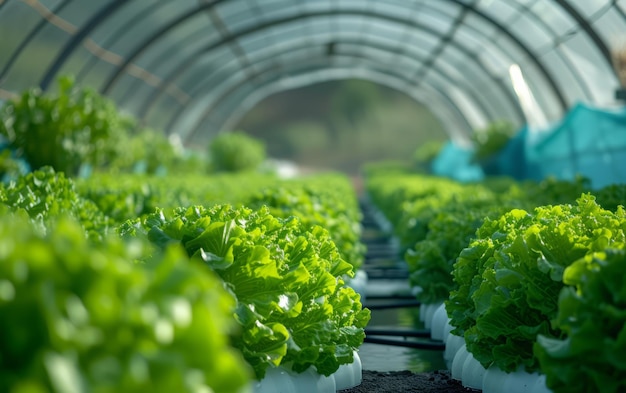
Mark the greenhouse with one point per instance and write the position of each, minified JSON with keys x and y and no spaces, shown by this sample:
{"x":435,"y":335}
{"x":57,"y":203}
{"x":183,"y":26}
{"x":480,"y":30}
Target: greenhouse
{"x":313,"y":196}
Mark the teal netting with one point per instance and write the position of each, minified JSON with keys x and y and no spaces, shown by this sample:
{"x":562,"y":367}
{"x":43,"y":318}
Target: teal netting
{"x":588,"y":141}
{"x":455,"y":162}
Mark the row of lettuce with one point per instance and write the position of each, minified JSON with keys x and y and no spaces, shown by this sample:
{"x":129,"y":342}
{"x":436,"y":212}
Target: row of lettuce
{"x":179,"y":283}
{"x":533,"y":275}
{"x":77,"y":131}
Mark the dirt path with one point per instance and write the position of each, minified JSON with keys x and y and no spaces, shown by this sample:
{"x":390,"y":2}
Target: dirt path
{"x":406,"y":381}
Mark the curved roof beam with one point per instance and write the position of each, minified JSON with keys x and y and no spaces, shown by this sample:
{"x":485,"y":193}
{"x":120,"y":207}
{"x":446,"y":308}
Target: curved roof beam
{"x":140,"y":49}
{"x":299,"y":46}
{"x":18,"y":51}
{"x":190,"y":61}
{"x":107,"y":11}
{"x":118,"y":35}
{"x":303,"y":65}
{"x":544,"y":71}
{"x":144,"y":46}
{"x":203,"y":86}
{"x":455,"y":123}
{"x":583,"y":82}
{"x":446,"y":39}
{"x":77,"y":39}
{"x":589,"y":30}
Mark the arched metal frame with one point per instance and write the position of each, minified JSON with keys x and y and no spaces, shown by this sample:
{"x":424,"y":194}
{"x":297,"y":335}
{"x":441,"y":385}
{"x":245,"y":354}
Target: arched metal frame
{"x":151,"y":40}
{"x":141,"y":48}
{"x":77,"y":39}
{"x":230,"y":91}
{"x":582,"y":15}
{"x":267,"y":74}
{"x":189,"y":62}
{"x":119,"y":34}
{"x":439,"y":103}
{"x":587,"y":28}
{"x":523,"y":7}
{"x":18,"y":51}
{"x":205,"y":86}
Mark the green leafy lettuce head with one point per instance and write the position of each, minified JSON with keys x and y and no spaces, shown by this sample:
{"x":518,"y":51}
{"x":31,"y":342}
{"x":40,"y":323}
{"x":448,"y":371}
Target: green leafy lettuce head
{"x":491,"y":139}
{"x":592,"y":314}
{"x":292,"y":303}
{"x":79,"y":316}
{"x":431,"y":261}
{"x":510,"y":277}
{"x":65,"y":131}
{"x":325,"y":201}
{"x":45,"y":195}
{"x":236,"y":152}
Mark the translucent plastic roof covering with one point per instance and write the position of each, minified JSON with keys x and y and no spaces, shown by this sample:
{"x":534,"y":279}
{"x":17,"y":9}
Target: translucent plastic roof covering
{"x":193,"y":67}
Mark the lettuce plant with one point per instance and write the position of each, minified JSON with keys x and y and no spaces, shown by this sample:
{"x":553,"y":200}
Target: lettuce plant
{"x":592,"y":315}
{"x":236,"y":152}
{"x":292,"y":303}
{"x":315,"y":203}
{"x":611,"y":196}
{"x":78,"y":316}
{"x":45,"y":195}
{"x":431,"y":261}
{"x":64,"y":131}
{"x":510,"y":277}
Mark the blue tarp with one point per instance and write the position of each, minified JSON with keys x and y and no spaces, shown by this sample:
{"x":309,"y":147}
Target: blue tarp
{"x":588,"y":141}
{"x":455,"y":162}
{"x":512,"y":160}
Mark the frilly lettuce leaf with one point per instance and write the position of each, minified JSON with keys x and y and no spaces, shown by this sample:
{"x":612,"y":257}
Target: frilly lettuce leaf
{"x":511,"y":276}
{"x":292,"y":303}
{"x":592,"y":314}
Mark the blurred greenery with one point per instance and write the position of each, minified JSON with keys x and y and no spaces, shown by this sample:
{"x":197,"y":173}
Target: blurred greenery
{"x":492,"y":139}
{"x":235,"y":152}
{"x":77,"y":131}
{"x":73,"y":128}
{"x":342,"y":125}
{"x":338,"y":125}
{"x":426,"y":153}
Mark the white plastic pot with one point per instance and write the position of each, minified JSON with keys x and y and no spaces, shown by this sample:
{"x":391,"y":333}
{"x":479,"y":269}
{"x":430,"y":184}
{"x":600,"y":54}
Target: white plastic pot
{"x":472,"y":374}
{"x":358,"y":283}
{"x":498,"y":381}
{"x":447,"y":329}
{"x":349,"y":375}
{"x":493,"y":380}
{"x":540,"y":385}
{"x":438,"y":324}
{"x":456,"y":370}
{"x":426,"y":313}
{"x":277,"y":379}
{"x":520,"y":382}
{"x":453,"y":344}
{"x":416,"y":291}
{"x":283,"y":380}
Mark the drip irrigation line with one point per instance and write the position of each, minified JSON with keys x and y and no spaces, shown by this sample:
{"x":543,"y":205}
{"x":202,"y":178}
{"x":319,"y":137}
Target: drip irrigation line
{"x":397,"y":333}
{"x":433,"y":346}
{"x":413,"y":303}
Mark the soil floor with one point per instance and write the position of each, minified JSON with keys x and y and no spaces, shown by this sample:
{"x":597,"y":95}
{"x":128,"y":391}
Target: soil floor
{"x":407,"y":381}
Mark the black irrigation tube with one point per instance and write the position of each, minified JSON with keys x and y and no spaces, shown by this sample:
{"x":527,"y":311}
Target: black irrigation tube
{"x":397,"y":333}
{"x":387,"y":274}
{"x":431,"y":346}
{"x":413,"y":303}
